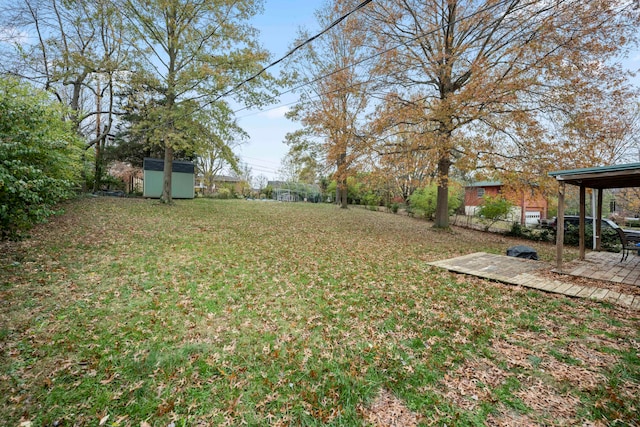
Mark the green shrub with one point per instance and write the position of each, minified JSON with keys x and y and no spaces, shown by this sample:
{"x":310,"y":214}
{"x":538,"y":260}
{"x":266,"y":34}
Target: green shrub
{"x":395,"y":207}
{"x":110,"y":182}
{"x":546,"y":236}
{"x":610,"y":240}
{"x":518,"y":230}
{"x":224,"y":193}
{"x":40,"y":158}
{"x":494,"y":209}
{"x":371,"y":199}
{"x":423,"y":200}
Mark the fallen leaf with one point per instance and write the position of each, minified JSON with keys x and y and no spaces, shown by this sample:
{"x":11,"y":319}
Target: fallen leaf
{"x":108,"y":380}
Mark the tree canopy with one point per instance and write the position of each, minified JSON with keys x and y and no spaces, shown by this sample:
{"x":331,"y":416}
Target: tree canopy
{"x":515,"y":86}
{"x":332,"y":108}
{"x":503,"y":84}
{"x":189,"y":54}
{"x":164,"y":72}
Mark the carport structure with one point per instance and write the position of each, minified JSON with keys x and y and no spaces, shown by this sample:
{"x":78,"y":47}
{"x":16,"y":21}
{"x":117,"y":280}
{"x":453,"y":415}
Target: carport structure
{"x":596,"y":178}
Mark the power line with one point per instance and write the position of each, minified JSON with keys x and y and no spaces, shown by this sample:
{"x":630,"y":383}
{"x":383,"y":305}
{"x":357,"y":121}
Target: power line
{"x":292,"y":51}
{"x":259,"y":160}
{"x":319,"y":78}
{"x":260,"y":167}
{"x":361,"y":61}
{"x":274,"y":63}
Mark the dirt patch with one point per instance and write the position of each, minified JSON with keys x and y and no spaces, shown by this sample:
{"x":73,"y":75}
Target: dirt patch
{"x":389,"y":411}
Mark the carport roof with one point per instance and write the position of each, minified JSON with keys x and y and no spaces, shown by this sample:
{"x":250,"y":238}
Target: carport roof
{"x":616,"y":176}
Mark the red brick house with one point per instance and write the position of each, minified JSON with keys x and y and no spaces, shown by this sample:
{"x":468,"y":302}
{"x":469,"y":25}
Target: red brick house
{"x":529,"y":204}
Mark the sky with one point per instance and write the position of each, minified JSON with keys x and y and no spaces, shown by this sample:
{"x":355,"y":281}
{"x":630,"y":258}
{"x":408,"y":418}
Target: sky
{"x":278,"y":26}
{"x":267,"y":128}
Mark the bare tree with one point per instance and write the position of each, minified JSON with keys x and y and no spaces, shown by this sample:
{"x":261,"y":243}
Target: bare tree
{"x":74,"y":51}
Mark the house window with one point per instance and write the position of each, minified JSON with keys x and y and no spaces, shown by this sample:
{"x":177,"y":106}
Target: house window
{"x":480,"y":192}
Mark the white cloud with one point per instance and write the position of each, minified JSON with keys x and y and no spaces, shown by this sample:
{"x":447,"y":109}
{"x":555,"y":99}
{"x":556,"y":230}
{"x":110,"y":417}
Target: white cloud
{"x":13,"y":35}
{"x":275,"y":113}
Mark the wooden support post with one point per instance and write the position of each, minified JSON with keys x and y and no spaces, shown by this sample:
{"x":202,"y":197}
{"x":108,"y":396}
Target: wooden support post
{"x":560,"y":227}
{"x":583,"y":201}
{"x":599,"y":224}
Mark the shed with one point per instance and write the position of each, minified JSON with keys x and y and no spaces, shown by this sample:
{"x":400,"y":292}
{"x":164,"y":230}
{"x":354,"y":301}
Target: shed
{"x":182,"y":179}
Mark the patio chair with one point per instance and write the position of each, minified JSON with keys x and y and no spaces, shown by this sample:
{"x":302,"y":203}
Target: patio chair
{"x":628,"y":245}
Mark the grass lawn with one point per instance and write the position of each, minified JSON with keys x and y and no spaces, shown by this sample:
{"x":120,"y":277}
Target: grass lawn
{"x":125,"y":312}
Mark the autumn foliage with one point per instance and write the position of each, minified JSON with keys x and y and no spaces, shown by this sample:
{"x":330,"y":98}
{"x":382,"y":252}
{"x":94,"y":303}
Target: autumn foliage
{"x":513,"y":87}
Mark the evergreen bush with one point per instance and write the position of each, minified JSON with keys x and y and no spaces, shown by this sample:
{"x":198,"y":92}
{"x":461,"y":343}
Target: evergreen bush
{"x":40,"y":157}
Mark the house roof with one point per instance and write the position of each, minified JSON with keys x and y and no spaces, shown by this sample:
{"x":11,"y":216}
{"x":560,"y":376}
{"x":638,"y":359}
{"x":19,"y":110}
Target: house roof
{"x":614,"y":176}
{"x":226,"y":178}
{"x":485,"y":184}
{"x":294,"y":186}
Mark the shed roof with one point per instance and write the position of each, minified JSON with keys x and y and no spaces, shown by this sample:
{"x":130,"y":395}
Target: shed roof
{"x":614,"y":176}
{"x":151,"y":164}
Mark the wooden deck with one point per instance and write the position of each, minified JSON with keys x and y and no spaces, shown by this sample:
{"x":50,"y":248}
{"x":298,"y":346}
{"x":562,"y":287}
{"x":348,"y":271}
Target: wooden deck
{"x":517,"y":271}
{"x":606,"y":266}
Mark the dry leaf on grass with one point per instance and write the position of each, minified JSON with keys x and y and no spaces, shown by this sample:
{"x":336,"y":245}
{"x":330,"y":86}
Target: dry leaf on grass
{"x":389,"y":411}
{"x":472,"y":383}
{"x":583,"y":378}
{"x":514,"y":355}
{"x":509,"y":418}
{"x":543,"y":399}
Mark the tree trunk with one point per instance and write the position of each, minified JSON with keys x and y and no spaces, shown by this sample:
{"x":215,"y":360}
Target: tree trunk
{"x":98,"y":167}
{"x":342,"y":190}
{"x":343,"y":195}
{"x":97,"y":178}
{"x":172,"y":51}
{"x":168,"y":169}
{"x":442,"y":200}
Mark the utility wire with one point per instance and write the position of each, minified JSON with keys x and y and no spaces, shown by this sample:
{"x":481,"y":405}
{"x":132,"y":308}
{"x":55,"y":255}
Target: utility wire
{"x":368,"y":58}
{"x":274,"y":63}
{"x":319,"y":78}
{"x":292,"y":51}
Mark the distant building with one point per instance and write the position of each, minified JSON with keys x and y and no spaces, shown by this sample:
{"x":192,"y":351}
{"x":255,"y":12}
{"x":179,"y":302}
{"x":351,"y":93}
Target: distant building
{"x":219,"y":181}
{"x":529,"y":205}
{"x":284,"y":191}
